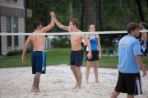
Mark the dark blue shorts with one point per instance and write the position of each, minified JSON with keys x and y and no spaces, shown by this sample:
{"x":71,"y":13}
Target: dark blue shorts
{"x":95,"y":56}
{"x":76,"y":58}
{"x":38,"y":62}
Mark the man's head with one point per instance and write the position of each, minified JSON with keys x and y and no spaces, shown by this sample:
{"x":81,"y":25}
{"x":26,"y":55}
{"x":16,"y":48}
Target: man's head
{"x":73,"y":23}
{"x":133,"y":29}
{"x":91,"y":28}
{"x":37,"y":25}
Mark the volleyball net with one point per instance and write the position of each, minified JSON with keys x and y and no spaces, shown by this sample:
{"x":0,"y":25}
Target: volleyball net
{"x":57,"y":46}
{"x":67,"y":33}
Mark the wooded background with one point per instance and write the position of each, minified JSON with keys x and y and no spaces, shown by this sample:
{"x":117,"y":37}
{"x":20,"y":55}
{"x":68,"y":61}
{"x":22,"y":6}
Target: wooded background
{"x":105,"y":14}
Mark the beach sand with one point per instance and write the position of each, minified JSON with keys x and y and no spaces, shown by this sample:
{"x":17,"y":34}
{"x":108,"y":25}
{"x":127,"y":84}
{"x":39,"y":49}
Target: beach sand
{"x":58,"y":83}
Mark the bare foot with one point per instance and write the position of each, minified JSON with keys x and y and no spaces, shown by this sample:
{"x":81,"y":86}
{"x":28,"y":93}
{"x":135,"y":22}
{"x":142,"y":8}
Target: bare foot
{"x":35,"y":90}
{"x":97,"y":81}
{"x":77,"y":87}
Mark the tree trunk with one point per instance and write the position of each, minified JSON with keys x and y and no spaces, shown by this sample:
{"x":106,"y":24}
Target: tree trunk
{"x":138,"y":2}
{"x":71,"y":8}
{"x":147,"y":3}
{"x":89,"y":12}
{"x":82,"y":16}
{"x":120,"y":4}
{"x":99,"y":25}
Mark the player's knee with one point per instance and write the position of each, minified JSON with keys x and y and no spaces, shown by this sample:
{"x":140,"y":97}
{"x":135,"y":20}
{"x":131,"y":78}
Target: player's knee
{"x":72,"y":67}
{"x":88,"y":68}
{"x":37,"y":75}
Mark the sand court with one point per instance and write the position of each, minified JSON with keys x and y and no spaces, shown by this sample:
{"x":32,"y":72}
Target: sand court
{"x":58,"y":82}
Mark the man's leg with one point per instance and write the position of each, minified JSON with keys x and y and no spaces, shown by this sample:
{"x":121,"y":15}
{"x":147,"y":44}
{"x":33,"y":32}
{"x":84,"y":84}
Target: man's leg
{"x":96,"y":71}
{"x":87,"y":70}
{"x":115,"y":94}
{"x":79,"y":77}
{"x":75,"y":74}
{"x":130,"y":96}
{"x":36,"y":82}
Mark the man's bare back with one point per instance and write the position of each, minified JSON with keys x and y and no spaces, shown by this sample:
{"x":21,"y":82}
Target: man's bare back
{"x":38,"y":42}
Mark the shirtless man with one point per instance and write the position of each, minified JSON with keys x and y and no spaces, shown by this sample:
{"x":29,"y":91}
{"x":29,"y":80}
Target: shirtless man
{"x":38,"y":56}
{"x":76,"y":57}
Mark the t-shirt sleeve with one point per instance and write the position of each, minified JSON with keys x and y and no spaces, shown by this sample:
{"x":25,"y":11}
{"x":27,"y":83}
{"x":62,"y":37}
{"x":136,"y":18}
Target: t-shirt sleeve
{"x":137,"y":48}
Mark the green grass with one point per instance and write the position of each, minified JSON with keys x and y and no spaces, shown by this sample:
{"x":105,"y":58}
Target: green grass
{"x":57,"y":56}
{"x":111,"y":62}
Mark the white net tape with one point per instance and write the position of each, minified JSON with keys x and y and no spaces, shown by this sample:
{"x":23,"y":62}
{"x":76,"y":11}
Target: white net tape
{"x":67,"y":33}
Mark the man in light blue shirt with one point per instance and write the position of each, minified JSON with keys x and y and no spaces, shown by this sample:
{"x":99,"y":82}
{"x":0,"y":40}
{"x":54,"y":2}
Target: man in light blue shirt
{"x":129,"y":64}
{"x":129,"y":47}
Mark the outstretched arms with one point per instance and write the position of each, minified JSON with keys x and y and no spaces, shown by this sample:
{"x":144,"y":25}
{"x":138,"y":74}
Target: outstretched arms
{"x":60,"y":25}
{"x":51,"y":25}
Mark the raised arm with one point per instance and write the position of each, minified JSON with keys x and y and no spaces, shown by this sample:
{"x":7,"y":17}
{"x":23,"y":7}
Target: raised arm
{"x":60,"y":25}
{"x":50,"y":26}
{"x":99,"y":45}
{"x":89,"y":55}
{"x":25,"y":49}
